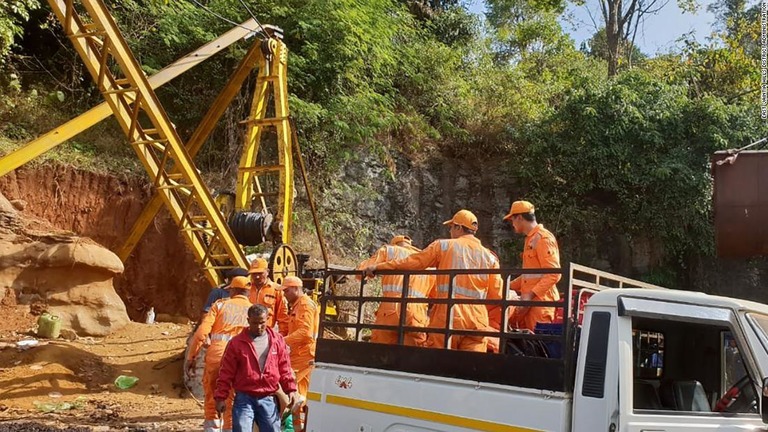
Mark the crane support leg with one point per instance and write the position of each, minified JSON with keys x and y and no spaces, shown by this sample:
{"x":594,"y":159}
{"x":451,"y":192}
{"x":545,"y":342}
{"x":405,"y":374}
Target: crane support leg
{"x":271,"y":82}
{"x":199,"y":136}
{"x":125,"y":87}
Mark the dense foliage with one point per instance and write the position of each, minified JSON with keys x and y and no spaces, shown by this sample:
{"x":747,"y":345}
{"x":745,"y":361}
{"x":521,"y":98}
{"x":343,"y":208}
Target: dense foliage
{"x":625,"y":155}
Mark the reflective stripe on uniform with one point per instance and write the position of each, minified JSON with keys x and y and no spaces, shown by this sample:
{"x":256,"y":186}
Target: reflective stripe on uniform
{"x":531,"y":276}
{"x":464,"y":258}
{"x":234,"y":315}
{"x":220,"y":337}
{"x":393,"y":289}
{"x":396,"y":253}
{"x":398,"y":289}
{"x":462,"y":291}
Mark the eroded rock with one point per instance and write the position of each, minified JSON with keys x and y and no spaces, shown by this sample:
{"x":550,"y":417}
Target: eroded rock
{"x":71,"y":275}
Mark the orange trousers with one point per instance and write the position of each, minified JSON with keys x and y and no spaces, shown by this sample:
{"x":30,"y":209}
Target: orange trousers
{"x":461,"y":343}
{"x":464,"y":318}
{"x":387,"y":314}
{"x":533,"y":316}
{"x":302,"y":383}
{"x":213,"y":423}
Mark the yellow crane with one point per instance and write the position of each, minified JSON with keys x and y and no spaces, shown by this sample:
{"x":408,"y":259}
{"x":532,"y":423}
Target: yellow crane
{"x":214,"y":227}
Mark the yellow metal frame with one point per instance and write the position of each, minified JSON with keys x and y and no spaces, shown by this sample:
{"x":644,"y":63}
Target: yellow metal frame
{"x":46,"y":142}
{"x":130,"y":97}
{"x":252,"y":58}
{"x":271,"y":81}
{"x":144,"y":121}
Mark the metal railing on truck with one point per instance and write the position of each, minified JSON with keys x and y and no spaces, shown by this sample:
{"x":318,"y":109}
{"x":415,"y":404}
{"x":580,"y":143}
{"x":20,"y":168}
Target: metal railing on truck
{"x":509,"y":366}
{"x":501,"y":368}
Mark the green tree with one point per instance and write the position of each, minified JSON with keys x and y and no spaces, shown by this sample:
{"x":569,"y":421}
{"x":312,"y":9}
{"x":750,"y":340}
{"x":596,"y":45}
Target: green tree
{"x":628,"y":159}
{"x":597,"y":47}
{"x":13,"y":15}
{"x":524,"y":27}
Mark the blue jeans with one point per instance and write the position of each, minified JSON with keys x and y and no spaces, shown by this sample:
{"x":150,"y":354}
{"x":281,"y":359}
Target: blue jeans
{"x":247,"y":410}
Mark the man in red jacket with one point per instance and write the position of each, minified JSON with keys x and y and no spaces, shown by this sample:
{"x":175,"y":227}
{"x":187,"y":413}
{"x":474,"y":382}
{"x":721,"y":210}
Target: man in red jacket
{"x":256,"y":363}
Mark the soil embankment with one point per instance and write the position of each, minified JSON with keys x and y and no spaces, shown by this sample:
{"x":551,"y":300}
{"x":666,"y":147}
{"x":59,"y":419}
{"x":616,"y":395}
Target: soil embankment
{"x":161,"y":273}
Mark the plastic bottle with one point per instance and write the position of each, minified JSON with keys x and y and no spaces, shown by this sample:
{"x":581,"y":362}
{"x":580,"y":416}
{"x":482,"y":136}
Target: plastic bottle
{"x":150,"y":316}
{"x":48,"y":326}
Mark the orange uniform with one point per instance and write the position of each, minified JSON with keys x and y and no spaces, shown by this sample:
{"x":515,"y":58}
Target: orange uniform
{"x":540,"y":251}
{"x":270,"y":296}
{"x":388,"y":313}
{"x":465,"y":252}
{"x":225,"y":320}
{"x":302,"y":339}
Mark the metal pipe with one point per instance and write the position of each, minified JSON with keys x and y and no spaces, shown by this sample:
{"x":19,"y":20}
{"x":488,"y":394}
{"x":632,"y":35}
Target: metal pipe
{"x":303,"y":169}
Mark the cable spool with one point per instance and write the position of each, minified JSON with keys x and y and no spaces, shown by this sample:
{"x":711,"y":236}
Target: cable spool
{"x":250,"y":228}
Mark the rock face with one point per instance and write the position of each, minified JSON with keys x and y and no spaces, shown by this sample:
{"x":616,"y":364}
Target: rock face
{"x":67,"y":275}
{"x":368,"y":201}
{"x":162,"y":271}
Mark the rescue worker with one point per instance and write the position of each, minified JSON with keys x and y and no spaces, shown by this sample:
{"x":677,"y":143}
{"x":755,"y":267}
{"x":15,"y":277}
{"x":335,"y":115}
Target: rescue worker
{"x":462,"y":251}
{"x":540,"y":251}
{"x":226,"y":319}
{"x":221,"y":291}
{"x":388,"y":313}
{"x":302,"y":335}
{"x":256,"y":364}
{"x":267,"y":293}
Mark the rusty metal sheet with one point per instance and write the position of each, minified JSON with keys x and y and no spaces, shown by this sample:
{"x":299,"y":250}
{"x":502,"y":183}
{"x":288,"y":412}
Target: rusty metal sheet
{"x":740,"y":202}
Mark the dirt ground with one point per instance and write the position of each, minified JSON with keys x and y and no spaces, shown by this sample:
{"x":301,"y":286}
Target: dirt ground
{"x":69,"y":385}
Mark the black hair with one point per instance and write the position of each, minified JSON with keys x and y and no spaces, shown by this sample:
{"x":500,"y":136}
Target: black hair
{"x":257,"y":310}
{"x":530,"y":217}
{"x":467,"y":230}
{"x":237,"y":271}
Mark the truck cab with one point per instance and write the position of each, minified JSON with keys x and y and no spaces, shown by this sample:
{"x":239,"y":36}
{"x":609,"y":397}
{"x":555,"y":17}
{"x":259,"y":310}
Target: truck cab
{"x":635,"y":357}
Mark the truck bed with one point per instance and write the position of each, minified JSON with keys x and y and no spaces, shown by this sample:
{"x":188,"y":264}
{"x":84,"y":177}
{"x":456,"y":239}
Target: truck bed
{"x":357,"y":399}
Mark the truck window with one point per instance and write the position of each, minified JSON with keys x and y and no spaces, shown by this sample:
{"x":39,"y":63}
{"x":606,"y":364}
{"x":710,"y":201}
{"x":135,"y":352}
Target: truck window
{"x":648,"y":353}
{"x":732,"y":363}
{"x":689,"y":368}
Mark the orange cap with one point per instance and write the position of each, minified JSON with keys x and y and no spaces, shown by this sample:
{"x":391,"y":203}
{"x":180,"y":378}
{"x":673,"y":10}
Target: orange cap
{"x":519,"y":207}
{"x":400,"y":238}
{"x":259,"y":265}
{"x":465,"y":218}
{"x":292,"y":282}
{"x":241,"y":282}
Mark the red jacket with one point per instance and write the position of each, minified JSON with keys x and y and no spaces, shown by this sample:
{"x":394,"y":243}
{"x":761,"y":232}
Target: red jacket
{"x":240,"y":368}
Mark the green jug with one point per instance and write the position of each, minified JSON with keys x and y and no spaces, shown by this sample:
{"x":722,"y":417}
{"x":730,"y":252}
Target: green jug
{"x":48,"y":326}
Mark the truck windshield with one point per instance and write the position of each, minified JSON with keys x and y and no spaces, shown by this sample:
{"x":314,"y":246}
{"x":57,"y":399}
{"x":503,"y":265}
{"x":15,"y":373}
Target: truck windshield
{"x":761,"y":322}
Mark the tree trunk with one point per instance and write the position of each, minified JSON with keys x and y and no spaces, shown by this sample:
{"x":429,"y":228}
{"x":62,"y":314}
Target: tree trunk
{"x":613,"y":35}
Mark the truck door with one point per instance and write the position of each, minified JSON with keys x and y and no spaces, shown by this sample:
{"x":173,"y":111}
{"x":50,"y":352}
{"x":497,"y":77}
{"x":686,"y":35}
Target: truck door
{"x":685,"y":368}
{"x":595,"y":406}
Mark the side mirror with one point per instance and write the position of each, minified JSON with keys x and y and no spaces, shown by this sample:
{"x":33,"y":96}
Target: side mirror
{"x":764,"y":401}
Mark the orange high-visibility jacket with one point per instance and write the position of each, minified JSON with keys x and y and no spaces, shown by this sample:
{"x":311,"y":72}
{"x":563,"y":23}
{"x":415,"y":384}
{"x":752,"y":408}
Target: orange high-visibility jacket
{"x":271,"y":296}
{"x":302,"y":331}
{"x":225,"y":320}
{"x":392,"y":286}
{"x":540,"y":251}
{"x":465,"y":252}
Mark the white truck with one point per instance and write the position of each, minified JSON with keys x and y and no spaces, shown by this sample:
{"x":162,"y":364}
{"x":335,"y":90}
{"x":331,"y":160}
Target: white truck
{"x":646,"y":359}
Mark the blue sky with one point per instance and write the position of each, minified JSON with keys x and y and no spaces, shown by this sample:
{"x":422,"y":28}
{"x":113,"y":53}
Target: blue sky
{"x":658,"y":34}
